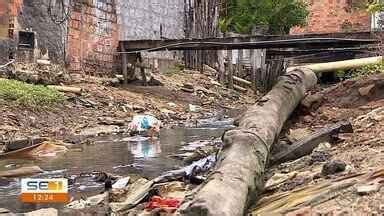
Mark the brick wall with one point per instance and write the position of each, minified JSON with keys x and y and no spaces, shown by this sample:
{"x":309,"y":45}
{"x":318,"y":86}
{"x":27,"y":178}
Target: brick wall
{"x":4,"y":19}
{"x":335,"y":16}
{"x":93,"y":37}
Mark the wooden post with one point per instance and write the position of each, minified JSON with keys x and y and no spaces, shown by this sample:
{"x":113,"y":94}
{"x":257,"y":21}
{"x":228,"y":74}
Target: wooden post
{"x":124,"y":60}
{"x":230,"y":69}
{"x":142,"y":69}
{"x":221,"y":63}
{"x":252,"y":58}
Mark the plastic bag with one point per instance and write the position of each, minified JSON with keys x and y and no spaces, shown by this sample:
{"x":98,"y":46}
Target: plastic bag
{"x":142,"y":123}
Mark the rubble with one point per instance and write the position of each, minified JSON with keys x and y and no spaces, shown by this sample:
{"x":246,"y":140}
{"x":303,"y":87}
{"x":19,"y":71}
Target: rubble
{"x":333,"y":167}
{"x":38,"y":73}
{"x":45,"y":212}
{"x":312,"y":195}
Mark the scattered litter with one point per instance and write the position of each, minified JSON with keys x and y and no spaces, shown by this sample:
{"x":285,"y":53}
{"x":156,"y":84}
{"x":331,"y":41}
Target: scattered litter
{"x":142,"y":123}
{"x":313,"y":195}
{"x":45,"y":149}
{"x":319,"y":156}
{"x":23,"y":171}
{"x":104,"y":129}
{"x":174,"y":189}
{"x":298,"y":134}
{"x":89,"y":202}
{"x":367,"y":189}
{"x":188,"y":88}
{"x":16,"y":144}
{"x":121,"y":183}
{"x":278,"y":179}
{"x":45,"y":212}
{"x":190,"y":172}
{"x":333,"y":167}
{"x":171,"y":104}
{"x":136,"y":193}
{"x":169,"y":205}
{"x":324,"y":146}
{"x":193,"y":108}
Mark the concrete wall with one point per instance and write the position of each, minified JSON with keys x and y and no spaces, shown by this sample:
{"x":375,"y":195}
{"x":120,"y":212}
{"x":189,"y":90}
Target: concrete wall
{"x":49,"y":35}
{"x":142,"y":19}
{"x":152,"y":20}
{"x":29,"y":16}
{"x":335,"y":16}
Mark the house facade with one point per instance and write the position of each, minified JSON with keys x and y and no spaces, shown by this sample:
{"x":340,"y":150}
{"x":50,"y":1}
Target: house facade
{"x":84,"y":34}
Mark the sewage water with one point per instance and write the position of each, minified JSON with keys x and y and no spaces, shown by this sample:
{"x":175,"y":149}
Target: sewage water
{"x":113,"y":154}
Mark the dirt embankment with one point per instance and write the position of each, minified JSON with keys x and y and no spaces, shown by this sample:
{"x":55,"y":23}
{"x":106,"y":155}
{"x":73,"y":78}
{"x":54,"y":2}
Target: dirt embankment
{"x":359,"y":101}
{"x":101,"y":104}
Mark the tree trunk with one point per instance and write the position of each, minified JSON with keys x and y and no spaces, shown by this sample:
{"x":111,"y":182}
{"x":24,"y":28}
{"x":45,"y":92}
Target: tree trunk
{"x":238,"y":179}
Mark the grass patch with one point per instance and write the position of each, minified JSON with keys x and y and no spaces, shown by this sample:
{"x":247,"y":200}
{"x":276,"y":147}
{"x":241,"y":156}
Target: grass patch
{"x":28,"y":94}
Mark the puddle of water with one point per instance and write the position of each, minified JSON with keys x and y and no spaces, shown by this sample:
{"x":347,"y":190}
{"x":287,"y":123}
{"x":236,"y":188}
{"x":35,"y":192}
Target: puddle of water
{"x":115,"y":154}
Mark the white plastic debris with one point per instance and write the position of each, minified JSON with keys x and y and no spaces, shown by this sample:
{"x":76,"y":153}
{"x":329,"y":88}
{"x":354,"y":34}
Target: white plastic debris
{"x":121,"y":183}
{"x":141,"y":123}
{"x":193,"y":108}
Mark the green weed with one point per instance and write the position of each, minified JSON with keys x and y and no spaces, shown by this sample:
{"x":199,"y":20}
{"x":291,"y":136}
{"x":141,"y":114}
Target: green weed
{"x":29,"y":94}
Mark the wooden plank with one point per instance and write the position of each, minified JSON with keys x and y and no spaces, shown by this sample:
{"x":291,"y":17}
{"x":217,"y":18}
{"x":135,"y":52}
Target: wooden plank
{"x":239,"y":88}
{"x":145,"y":44}
{"x":243,"y":81}
{"x":263,"y":41}
{"x":308,"y":144}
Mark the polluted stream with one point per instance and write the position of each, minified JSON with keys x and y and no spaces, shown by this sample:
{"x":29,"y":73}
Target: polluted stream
{"x":117,"y":154}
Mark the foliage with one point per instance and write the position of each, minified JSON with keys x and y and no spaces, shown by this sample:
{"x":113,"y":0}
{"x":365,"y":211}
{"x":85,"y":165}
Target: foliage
{"x":370,"y":69}
{"x":376,"y":6}
{"x":28,"y":94}
{"x":278,"y":16}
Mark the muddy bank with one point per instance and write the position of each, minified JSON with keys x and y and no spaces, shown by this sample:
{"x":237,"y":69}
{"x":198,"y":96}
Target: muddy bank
{"x":324,"y":181}
{"x":105,"y":105}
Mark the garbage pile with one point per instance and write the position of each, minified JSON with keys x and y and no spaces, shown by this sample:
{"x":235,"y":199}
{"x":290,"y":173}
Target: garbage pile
{"x":43,"y":72}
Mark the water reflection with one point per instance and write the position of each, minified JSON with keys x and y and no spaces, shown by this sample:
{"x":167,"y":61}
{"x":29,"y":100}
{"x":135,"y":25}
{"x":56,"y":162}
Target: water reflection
{"x":149,"y":148}
{"x":119,"y":155}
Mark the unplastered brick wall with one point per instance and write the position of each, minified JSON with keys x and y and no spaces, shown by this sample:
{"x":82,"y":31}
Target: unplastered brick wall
{"x":93,"y":37}
{"x":9,"y":10}
{"x":4,"y":19}
{"x":335,"y":16}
